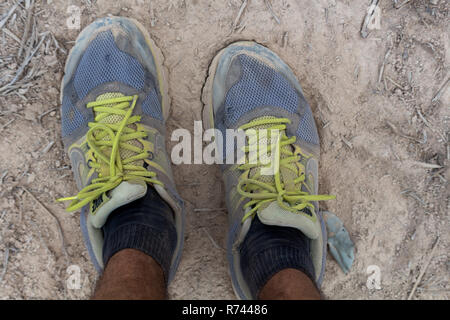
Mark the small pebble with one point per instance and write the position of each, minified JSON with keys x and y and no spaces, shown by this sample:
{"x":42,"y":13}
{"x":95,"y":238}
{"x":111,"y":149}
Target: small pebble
{"x":31,"y":178}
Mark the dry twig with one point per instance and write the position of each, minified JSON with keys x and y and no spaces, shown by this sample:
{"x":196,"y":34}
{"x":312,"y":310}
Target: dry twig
{"x":5,"y":264}
{"x":2,"y":178}
{"x":413,"y":195}
{"x":24,"y":64}
{"x":401,"y":134}
{"x":284,"y":40}
{"x":368,"y":18}
{"x":347,"y":143}
{"x":42,"y":115}
{"x":423,"y":270}
{"x":63,"y":242}
{"x":212,"y":240}
{"x":48,"y":147}
{"x":9,"y":13}
{"x":401,"y":5}
{"x":238,"y":17}
{"x":11,"y":35}
{"x":7,"y":124}
{"x":426,"y":165}
{"x":437,"y":96}
{"x":386,"y":56}
{"x":269,"y":7}
{"x":26,"y":31}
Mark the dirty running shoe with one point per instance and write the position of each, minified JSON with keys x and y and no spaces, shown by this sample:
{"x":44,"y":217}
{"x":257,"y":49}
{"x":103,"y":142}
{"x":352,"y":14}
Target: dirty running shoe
{"x":250,"y":87}
{"x":114,"y":105}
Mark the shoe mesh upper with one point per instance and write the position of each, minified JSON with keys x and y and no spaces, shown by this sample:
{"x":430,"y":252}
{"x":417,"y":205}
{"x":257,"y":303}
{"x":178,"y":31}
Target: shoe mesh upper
{"x":104,"y":62}
{"x":259,"y":86}
{"x":71,"y":117}
{"x":307,"y":129}
{"x":262,"y":86}
{"x":151,"y":105}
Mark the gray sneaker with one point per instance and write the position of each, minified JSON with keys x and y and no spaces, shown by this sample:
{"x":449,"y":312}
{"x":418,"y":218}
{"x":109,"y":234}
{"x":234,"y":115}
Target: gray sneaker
{"x":250,"y":88}
{"x":114,"y":105}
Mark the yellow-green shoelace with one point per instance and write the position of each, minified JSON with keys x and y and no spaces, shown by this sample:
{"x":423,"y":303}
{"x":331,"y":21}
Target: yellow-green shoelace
{"x":106,"y":140}
{"x":262,"y":193}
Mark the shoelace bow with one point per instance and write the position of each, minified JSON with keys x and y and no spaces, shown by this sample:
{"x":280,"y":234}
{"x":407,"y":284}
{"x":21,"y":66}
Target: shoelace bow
{"x":260,"y":192}
{"x":107,"y":151}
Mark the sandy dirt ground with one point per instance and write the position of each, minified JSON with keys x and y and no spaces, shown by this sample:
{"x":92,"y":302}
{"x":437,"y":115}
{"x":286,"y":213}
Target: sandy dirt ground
{"x":382,"y":105}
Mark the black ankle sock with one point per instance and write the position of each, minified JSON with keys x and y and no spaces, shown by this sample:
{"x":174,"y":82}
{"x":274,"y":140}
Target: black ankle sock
{"x":147,"y":225}
{"x":267,"y":250}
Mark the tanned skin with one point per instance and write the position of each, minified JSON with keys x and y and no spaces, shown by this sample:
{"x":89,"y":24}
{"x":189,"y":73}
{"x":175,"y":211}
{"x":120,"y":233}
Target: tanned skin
{"x":132,"y":275}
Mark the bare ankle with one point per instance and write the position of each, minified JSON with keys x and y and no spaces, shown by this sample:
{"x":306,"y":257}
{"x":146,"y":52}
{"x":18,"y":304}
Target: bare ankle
{"x":289,"y":284}
{"x":131,"y":274}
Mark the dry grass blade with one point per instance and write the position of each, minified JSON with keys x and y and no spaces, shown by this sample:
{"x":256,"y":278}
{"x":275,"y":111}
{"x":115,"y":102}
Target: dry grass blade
{"x":9,"y":13}
{"x":57,"y":45}
{"x":437,"y":96}
{"x":368,"y":18}
{"x":11,"y":35}
{"x":426,"y":165}
{"x":238,"y":17}
{"x":401,"y":5}
{"x":2,"y":178}
{"x":7,"y":124}
{"x":423,"y":270}
{"x":347,"y":143}
{"x":214,"y":243}
{"x":5,"y":264}
{"x":48,"y":147}
{"x":269,"y":7}
{"x":42,"y":115}
{"x":285,"y":39}
{"x":63,"y":242}
{"x":413,"y":195}
{"x":24,"y":64}
{"x":26,"y":30}
{"x":386,"y":56}
{"x":395,"y":83}
{"x":401,"y":134}
{"x":425,"y":121}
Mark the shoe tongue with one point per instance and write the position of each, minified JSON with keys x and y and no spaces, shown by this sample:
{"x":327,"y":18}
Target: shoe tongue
{"x":287,"y":176}
{"x":116,"y":119}
{"x":274,"y":215}
{"x":124,"y":193}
